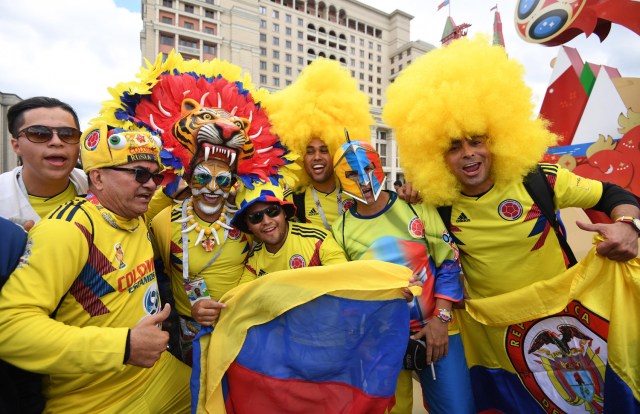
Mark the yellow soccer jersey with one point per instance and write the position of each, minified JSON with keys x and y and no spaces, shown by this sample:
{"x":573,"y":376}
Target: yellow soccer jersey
{"x":306,"y":245}
{"x":332,"y":205}
{"x":44,"y":205}
{"x":220,"y":276}
{"x":96,"y":273}
{"x":505,"y":242}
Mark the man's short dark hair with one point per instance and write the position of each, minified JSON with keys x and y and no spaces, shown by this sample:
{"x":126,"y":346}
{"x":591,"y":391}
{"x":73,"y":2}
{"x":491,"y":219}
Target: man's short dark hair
{"x":15,"y":114}
{"x":397,"y":183}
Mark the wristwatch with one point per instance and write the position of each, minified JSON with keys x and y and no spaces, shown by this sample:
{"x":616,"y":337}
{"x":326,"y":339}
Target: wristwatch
{"x":444,"y":315}
{"x":631,"y":220}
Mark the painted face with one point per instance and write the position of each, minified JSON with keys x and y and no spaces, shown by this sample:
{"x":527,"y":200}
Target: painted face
{"x":210,"y":184}
{"x":357,"y":166}
{"x":469,"y":160}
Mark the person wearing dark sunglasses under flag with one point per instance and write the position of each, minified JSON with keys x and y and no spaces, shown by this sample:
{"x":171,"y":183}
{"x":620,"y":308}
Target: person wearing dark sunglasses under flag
{"x":83,"y":306}
{"x":282,"y":244}
{"x":45,"y":134}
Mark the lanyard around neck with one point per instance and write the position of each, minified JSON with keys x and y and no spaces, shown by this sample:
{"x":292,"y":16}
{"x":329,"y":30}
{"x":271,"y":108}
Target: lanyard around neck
{"x":319,"y":206}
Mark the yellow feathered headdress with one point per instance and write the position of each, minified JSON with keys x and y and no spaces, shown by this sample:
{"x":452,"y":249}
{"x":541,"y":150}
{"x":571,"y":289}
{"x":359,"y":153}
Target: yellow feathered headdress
{"x":179,"y":99}
{"x":467,"y":88}
{"x":321,"y":103}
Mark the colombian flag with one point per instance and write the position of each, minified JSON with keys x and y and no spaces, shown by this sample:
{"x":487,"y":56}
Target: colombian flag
{"x":325,"y":339}
{"x":567,"y":344}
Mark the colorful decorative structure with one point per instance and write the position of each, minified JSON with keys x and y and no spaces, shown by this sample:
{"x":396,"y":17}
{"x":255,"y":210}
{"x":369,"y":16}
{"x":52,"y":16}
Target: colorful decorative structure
{"x":554,"y":22}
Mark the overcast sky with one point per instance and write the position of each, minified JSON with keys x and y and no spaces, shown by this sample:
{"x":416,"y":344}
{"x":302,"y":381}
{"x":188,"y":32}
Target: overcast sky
{"x":75,"y":49}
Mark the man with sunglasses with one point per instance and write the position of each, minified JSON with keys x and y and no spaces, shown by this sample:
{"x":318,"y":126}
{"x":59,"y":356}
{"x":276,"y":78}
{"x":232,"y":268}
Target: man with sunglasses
{"x":282,"y":244}
{"x":202,"y":254}
{"x":45,"y":135}
{"x":83,"y":306}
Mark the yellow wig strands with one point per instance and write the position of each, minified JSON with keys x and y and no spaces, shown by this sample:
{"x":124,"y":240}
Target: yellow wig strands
{"x":321,"y":103}
{"x":468,"y":88}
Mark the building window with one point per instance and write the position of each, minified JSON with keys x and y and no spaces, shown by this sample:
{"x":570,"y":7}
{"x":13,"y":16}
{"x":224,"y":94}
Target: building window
{"x":379,"y":102}
{"x":287,"y":70}
{"x":276,"y":27}
{"x":370,"y":89}
{"x":352,"y":62}
{"x":361,"y":87}
{"x":379,"y":69}
{"x":300,"y":35}
{"x":370,"y":78}
{"x":287,"y":44}
{"x":362,"y":42}
{"x":361,"y":76}
{"x":189,"y":8}
{"x":353,"y":50}
{"x":379,"y":48}
{"x":263,"y":37}
{"x":263,"y":79}
{"x":167,"y":20}
{"x":378,"y":91}
{"x":287,"y":18}
{"x":167,"y":3}
{"x":370,"y":56}
{"x":382,"y":150}
{"x":392,"y":59}
{"x":263,"y":51}
{"x":263,"y":24}
{"x":276,"y":68}
{"x":287,"y":31}
{"x":276,"y":54}
{"x":352,"y":38}
{"x":276,"y":81}
{"x":263,"y":65}
{"x":288,"y":57}
{"x":188,"y":25}
{"x":362,"y":53}
{"x":263,"y":11}
{"x":209,"y":30}
{"x":300,"y":21}
{"x":379,"y":59}
{"x":166,"y":40}
{"x":300,"y":47}
{"x":370,"y":66}
{"x":210,"y":49}
{"x":276,"y":41}
{"x":393,"y":71}
{"x":300,"y":60}
{"x":188,"y":43}
{"x":400,"y":55}
{"x":287,"y":82}
{"x":209,"y":14}
{"x":379,"y":81}
{"x":370,"y":45}
{"x":400,"y":67}
{"x":275,"y":14}
{"x":361,"y":65}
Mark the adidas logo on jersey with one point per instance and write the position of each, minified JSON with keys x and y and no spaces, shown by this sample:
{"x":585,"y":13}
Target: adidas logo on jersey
{"x":313,"y":212}
{"x":462,"y":218}
{"x":261,"y":273}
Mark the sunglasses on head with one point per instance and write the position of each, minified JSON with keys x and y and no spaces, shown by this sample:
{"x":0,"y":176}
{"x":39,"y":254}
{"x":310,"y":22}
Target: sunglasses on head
{"x":272,"y":211}
{"x":142,"y":175}
{"x":40,"y":134}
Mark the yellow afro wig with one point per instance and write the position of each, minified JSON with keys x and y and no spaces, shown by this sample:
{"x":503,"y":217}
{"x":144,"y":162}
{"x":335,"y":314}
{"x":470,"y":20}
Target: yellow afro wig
{"x":321,"y":103}
{"x":468,"y":88}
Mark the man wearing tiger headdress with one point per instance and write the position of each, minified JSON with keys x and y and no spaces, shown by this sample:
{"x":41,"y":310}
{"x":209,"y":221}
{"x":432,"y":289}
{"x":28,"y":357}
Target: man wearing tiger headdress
{"x":215,"y":133}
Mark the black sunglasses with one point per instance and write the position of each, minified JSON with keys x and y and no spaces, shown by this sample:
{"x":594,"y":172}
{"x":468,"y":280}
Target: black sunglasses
{"x":40,"y":134}
{"x":142,"y":175}
{"x":272,"y":211}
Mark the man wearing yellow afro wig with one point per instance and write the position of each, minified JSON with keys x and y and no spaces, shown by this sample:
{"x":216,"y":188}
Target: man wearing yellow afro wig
{"x":467,"y":137}
{"x":310,"y":117}
{"x":83,"y":306}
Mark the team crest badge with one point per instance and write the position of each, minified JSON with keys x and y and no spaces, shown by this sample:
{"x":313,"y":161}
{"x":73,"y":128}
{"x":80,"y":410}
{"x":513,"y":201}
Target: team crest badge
{"x":92,"y":140}
{"x":234,"y":234}
{"x":151,"y":300}
{"x":296,"y":262}
{"x":510,"y":210}
{"x":416,"y":228}
{"x":561,"y":359}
